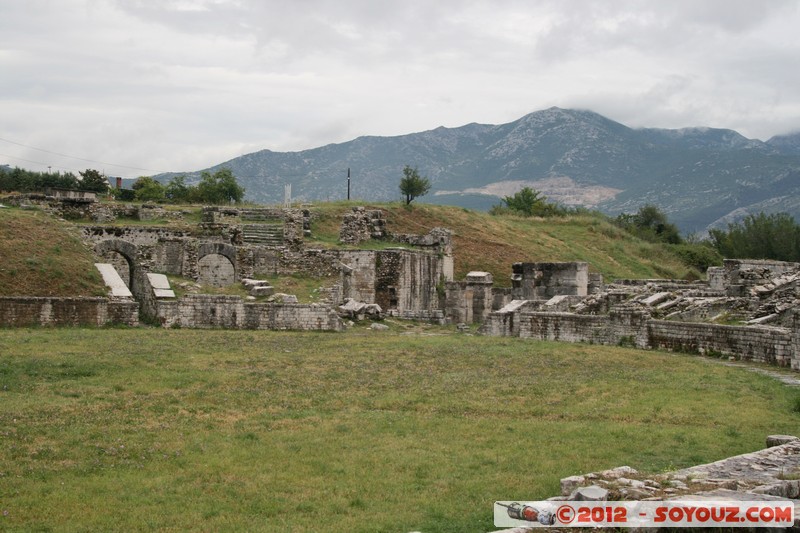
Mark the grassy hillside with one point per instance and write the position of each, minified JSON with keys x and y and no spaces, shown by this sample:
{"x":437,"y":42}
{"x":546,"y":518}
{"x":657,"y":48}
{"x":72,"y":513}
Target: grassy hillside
{"x":42,"y":256}
{"x":492,"y":243}
{"x":405,"y":430}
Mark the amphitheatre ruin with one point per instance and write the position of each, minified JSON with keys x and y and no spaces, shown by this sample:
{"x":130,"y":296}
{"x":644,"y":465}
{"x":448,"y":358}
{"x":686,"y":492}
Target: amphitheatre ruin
{"x":411,"y":277}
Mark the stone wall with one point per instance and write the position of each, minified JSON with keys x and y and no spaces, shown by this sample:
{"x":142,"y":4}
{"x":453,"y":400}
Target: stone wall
{"x":742,"y":274}
{"x":45,"y":311}
{"x":631,"y":327}
{"x":361,"y":225}
{"x":506,"y":321}
{"x":232,"y":312}
{"x":469,"y":301}
{"x":758,"y":343}
{"x":542,"y":281}
{"x":620,"y":327}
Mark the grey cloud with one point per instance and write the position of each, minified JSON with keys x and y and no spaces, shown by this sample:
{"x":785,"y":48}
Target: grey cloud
{"x":181,"y":84}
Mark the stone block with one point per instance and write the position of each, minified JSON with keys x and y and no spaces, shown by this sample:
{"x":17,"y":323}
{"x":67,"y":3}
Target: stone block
{"x":479,"y":277}
{"x":261,"y":290}
{"x":569,"y":484}
{"x":163,"y":293}
{"x":777,"y":440}
{"x":592,"y":493}
{"x":158,"y":281}
{"x":113,"y":280}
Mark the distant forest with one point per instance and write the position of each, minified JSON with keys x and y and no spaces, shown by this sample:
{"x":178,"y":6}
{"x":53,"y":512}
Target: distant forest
{"x":21,"y":180}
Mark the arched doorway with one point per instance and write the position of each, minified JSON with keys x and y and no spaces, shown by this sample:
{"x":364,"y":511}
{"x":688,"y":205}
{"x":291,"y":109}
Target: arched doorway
{"x":216,"y":264}
{"x":121,"y":254}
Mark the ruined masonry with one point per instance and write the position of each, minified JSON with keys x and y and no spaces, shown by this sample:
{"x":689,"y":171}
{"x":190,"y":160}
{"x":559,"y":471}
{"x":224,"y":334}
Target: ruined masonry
{"x":746,"y":310}
{"x":234,"y":246}
{"x":770,"y":474}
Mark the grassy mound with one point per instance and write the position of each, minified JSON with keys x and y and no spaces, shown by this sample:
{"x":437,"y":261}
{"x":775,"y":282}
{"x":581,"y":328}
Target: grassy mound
{"x":405,"y":430}
{"x":493,"y":243}
{"x":41,"y":256}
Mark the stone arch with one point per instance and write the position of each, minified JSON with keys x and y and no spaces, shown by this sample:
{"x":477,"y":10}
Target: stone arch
{"x":110,"y":248}
{"x":216,"y":264}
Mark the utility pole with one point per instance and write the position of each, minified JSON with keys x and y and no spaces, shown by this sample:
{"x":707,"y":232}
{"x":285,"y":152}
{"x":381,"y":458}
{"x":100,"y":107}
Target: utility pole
{"x":348,"y":183}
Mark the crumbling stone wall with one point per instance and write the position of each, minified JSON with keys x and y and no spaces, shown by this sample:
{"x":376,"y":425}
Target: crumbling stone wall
{"x":231,"y":312}
{"x":296,"y":223}
{"x":542,"y":281}
{"x":631,"y":327}
{"x":623,"y":326}
{"x":361,"y":225}
{"x":438,"y":241}
{"x":743,"y":274}
{"x":469,"y":301}
{"x":406,"y":282}
{"x":45,"y":311}
{"x":506,"y":321}
{"x":757,"y":343}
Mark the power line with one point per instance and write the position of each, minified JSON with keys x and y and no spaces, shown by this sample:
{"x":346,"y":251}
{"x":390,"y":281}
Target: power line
{"x":38,"y":163}
{"x":78,"y":158}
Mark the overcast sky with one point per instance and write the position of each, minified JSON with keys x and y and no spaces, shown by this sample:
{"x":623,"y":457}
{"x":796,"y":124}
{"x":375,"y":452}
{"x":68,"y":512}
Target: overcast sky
{"x":184,"y":84}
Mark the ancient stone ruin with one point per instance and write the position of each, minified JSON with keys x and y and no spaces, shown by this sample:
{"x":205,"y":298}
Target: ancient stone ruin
{"x":770,"y":474}
{"x":232,"y":246}
{"x":745,"y":310}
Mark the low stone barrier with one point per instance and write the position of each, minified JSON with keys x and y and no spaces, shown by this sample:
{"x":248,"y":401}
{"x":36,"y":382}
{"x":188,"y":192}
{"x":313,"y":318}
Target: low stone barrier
{"x":773,"y":345}
{"x":757,"y":343}
{"x":232,"y":312}
{"x":26,"y":311}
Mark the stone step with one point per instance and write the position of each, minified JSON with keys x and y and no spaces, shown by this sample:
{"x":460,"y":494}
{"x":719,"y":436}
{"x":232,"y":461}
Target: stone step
{"x":263,"y":234}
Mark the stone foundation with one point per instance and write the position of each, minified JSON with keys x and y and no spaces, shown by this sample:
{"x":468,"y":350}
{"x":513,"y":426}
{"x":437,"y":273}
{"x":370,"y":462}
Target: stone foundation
{"x":45,"y":311}
{"x":626,"y":327}
{"x":231,"y":312}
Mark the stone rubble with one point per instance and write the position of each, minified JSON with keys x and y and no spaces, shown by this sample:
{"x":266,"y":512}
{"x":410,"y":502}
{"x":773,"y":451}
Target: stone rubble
{"x":771,"y":473}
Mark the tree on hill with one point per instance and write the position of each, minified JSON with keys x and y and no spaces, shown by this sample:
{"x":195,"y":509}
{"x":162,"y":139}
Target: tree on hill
{"x":92,"y":180}
{"x":219,"y":188}
{"x":146,"y":189}
{"x":761,"y":236}
{"x":413,"y":185}
{"x":529,"y":202}
{"x":178,"y":192}
{"x":650,"y":224}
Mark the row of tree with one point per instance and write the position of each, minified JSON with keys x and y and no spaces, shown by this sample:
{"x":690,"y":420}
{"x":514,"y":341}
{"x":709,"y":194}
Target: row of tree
{"x":218,"y":188}
{"x":21,"y":180}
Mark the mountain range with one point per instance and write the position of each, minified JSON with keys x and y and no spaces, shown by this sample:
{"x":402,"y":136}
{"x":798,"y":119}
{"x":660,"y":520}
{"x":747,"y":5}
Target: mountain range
{"x":701,"y":177}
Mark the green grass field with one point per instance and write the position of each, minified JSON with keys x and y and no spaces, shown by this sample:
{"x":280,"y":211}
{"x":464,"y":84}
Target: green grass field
{"x":415,"y":429}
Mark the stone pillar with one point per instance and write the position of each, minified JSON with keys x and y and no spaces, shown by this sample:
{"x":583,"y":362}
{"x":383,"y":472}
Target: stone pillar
{"x":479,"y":288}
{"x":795,"y":361}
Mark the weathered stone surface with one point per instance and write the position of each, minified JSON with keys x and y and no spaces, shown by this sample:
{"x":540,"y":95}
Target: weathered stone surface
{"x":355,"y":309}
{"x":378,"y":327}
{"x":113,"y":281}
{"x":592,"y":493}
{"x":777,"y":440}
{"x":233,"y":312}
{"x":618,"y":472}
{"x":280,"y":297}
{"x":656,"y":299}
{"x":250,"y":283}
{"x":160,"y":285}
{"x":44,"y":311}
{"x":569,"y":484}
{"x":262,"y":290}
